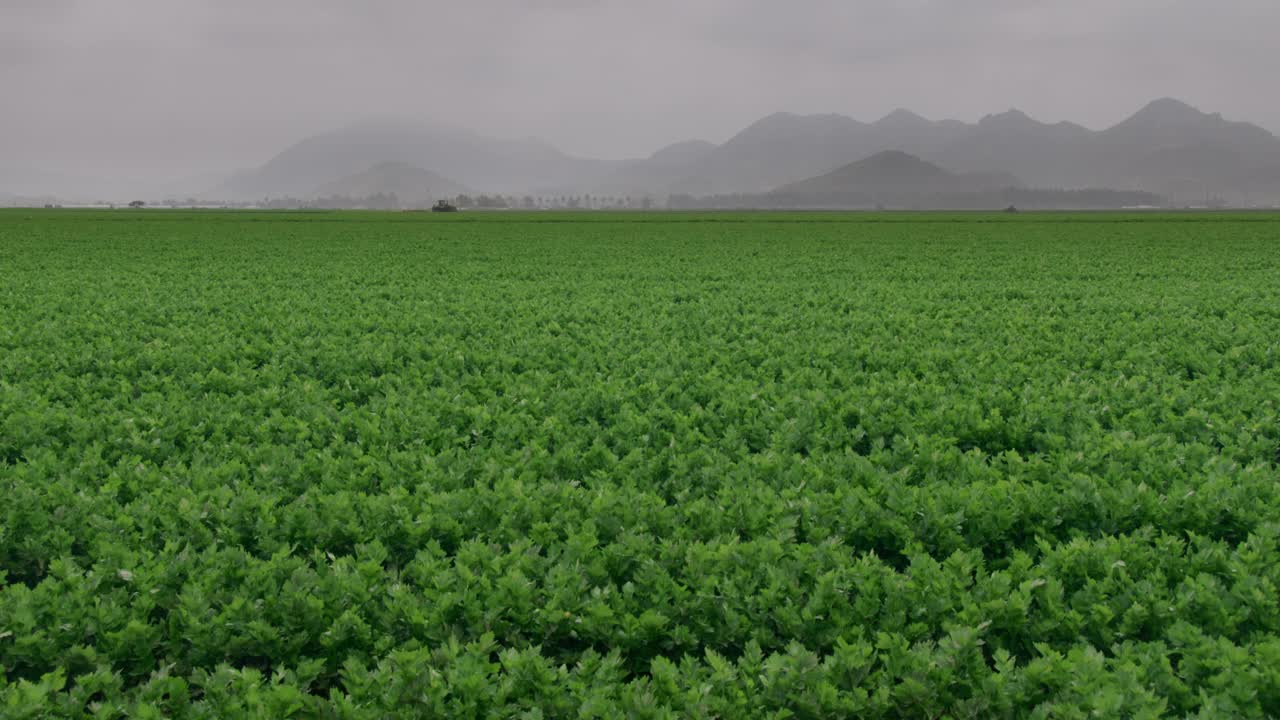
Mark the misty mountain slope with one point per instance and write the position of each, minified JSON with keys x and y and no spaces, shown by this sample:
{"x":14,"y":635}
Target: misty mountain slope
{"x":775,"y":150}
{"x":1168,"y":122}
{"x":412,"y":185}
{"x":1172,"y":147}
{"x":895,"y":173}
{"x":653,"y":175}
{"x":1166,"y":147}
{"x":486,"y":164}
{"x":682,"y":153}
{"x":1043,"y":154}
{"x":906,"y":131}
{"x":785,"y":148}
{"x":894,"y":179}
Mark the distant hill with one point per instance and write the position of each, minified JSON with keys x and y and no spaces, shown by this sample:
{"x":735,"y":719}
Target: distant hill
{"x":486,"y":164}
{"x":413,"y":186}
{"x":896,"y":173}
{"x":778,"y":149}
{"x":1042,"y":154}
{"x":654,"y":174}
{"x":889,"y":178}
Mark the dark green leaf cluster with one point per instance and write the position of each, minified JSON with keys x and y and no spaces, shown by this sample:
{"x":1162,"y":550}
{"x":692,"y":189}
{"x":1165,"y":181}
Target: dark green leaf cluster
{"x":657,"y":466}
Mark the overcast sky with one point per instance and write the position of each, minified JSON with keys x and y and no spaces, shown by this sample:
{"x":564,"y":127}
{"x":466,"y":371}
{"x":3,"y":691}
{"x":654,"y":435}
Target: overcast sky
{"x":181,"y":87}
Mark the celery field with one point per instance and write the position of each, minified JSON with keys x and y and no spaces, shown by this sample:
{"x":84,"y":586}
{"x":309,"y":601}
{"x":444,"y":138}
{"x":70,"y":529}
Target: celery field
{"x":596,"y":465}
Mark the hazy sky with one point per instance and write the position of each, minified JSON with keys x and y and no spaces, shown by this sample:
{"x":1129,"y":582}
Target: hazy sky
{"x":178,"y":87}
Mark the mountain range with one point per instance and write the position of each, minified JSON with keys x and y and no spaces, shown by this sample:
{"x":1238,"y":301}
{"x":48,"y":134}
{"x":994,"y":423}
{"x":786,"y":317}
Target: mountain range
{"x":1167,"y":147}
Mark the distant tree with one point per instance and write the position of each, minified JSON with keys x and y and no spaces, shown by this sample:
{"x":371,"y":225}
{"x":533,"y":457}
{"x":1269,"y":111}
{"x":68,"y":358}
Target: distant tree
{"x":464,"y":201}
{"x":137,"y":204}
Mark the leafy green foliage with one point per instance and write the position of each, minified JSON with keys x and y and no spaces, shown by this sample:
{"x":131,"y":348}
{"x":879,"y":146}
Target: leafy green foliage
{"x":366,"y":465}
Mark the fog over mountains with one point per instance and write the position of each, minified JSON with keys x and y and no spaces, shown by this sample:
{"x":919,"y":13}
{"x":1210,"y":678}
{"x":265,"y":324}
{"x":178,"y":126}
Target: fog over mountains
{"x":1167,"y":147}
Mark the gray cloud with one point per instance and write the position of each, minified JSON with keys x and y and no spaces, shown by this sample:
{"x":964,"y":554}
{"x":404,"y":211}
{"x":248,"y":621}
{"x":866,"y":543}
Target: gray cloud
{"x":153,"y":87}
